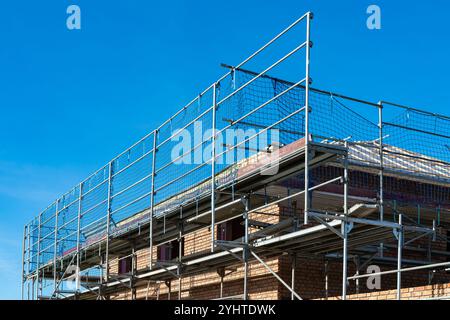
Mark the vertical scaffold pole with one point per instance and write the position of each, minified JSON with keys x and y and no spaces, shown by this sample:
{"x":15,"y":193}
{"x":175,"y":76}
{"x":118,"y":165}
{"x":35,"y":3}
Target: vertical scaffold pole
{"x":346,"y":178}
{"x":55,"y":247}
{"x":28,"y":260}
{"x":213,"y":167}
{"x":38,"y":253}
{"x":380,"y":130}
{"x":152,"y":202}
{"x":221,"y":274}
{"x":245,"y":252}
{"x":293,"y":267}
{"x":326,"y":279}
{"x":169,"y":286}
{"x":23,"y":261}
{"x":344,"y":262}
{"x":308,"y":47}
{"x":399,"y":257}
{"x":133,"y":272}
{"x":80,"y":199}
{"x":345,"y":227}
{"x":108,"y":220}
{"x":180,"y":254}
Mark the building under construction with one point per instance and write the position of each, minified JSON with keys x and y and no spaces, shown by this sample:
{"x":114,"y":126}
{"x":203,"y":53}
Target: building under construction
{"x":297,"y":193}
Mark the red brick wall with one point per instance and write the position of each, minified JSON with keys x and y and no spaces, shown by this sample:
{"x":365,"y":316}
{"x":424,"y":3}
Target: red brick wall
{"x":309,"y":274}
{"x":434,"y":291}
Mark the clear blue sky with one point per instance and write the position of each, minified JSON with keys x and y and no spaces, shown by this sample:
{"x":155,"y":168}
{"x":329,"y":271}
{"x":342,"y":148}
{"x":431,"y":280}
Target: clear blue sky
{"x":71,"y":100}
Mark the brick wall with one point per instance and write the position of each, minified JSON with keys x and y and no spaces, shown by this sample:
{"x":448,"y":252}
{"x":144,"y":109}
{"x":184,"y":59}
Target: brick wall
{"x":310,"y":277}
{"x":310,"y":274}
{"x":434,"y":291}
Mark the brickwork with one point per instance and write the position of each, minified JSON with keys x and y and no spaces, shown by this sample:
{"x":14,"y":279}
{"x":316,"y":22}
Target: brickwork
{"x":315,"y":278}
{"x":435,"y":291}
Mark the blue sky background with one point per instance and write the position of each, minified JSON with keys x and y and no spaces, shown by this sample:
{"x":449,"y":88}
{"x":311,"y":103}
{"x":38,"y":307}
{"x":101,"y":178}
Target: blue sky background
{"x":71,"y":100}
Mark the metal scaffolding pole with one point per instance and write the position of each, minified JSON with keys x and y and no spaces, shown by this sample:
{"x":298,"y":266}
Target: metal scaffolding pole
{"x":213,"y":167}
{"x":345,"y":226}
{"x":399,"y":257}
{"x":344,"y":260}
{"x":169,"y":286}
{"x":38,"y":253}
{"x":179,"y":287}
{"x":27,"y":283}
{"x":326,"y":279}
{"x":221,"y":273}
{"x":245,"y":252}
{"x":308,"y":47}
{"x":346,"y":180}
{"x":55,"y":247}
{"x":108,"y":220}
{"x":29,"y":261}
{"x":152,"y":202}
{"x":381,"y":196}
{"x":293,"y":266}
{"x":180,"y":253}
{"x":80,"y":198}
{"x":380,"y":130}
{"x":23,"y":262}
{"x":133,"y":272}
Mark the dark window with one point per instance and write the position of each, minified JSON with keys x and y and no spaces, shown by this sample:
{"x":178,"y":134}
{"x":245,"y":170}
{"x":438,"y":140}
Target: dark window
{"x":169,"y":251}
{"x":231,"y":230}
{"x":125,"y":265}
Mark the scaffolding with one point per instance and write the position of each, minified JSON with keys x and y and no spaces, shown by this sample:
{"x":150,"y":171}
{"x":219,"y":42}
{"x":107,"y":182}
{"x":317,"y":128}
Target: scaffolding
{"x":334,"y":160}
